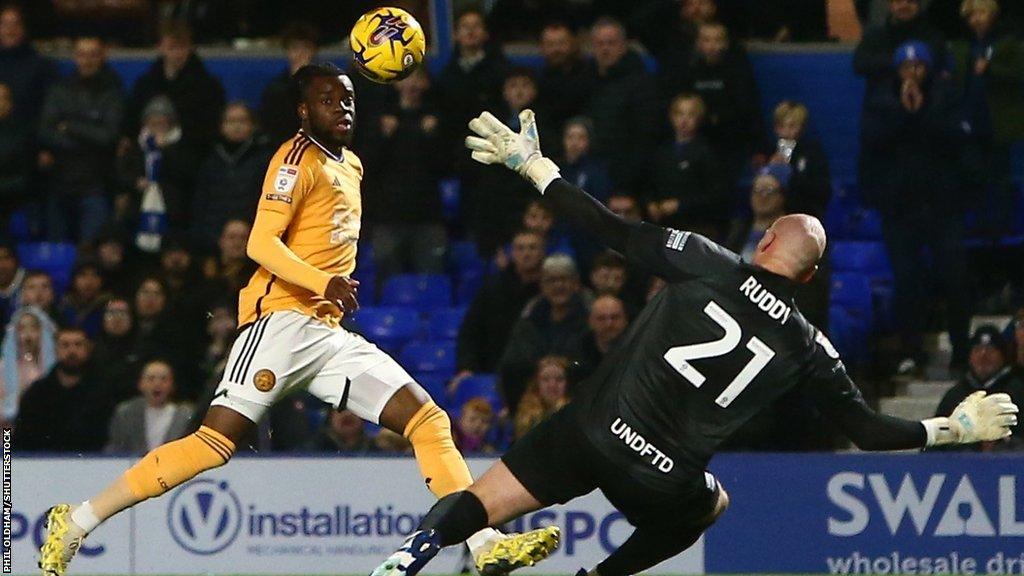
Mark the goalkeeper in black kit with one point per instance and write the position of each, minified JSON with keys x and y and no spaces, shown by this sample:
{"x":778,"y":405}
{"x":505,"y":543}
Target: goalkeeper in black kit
{"x":719,"y":344}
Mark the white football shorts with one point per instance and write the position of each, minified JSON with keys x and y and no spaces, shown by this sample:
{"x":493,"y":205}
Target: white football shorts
{"x":287,"y":351}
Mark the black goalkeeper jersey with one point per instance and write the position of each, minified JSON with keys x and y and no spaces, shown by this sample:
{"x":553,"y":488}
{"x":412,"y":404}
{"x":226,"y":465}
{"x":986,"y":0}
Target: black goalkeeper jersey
{"x":721,"y":342}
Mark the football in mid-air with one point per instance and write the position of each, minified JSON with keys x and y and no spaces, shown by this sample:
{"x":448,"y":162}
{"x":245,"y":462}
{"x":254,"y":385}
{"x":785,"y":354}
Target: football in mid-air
{"x":387,"y":44}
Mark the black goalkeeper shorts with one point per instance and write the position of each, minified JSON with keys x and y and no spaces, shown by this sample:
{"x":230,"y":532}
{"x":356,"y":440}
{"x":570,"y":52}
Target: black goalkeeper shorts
{"x":556,"y":462}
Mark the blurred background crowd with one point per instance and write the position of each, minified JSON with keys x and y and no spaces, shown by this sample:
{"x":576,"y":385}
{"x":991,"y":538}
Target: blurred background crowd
{"x":126,"y":209}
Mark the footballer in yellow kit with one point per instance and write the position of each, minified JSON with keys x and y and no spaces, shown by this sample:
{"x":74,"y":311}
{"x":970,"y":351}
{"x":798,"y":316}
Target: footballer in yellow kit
{"x":304,"y":240}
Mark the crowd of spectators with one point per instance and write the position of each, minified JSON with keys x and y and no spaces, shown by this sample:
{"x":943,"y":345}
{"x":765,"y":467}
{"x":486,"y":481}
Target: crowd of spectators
{"x":157,"y":185}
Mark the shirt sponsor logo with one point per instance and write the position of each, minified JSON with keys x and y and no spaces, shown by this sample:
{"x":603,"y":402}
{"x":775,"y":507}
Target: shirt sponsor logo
{"x":285,"y":179}
{"x":677,"y":239}
{"x":641,"y":446}
{"x":280,"y":198}
{"x":767,"y":302}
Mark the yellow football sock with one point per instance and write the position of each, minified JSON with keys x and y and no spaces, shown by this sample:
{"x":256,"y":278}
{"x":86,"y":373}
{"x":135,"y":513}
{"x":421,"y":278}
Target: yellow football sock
{"x":430,"y":431}
{"x":175,"y":462}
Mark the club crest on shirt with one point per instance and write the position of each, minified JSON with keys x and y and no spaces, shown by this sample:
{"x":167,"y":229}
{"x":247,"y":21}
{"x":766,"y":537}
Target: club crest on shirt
{"x":264,"y":380}
{"x":286,"y":177}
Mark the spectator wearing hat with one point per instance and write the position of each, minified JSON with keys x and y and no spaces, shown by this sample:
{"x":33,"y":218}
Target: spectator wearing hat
{"x":580,"y":167}
{"x":160,"y":166}
{"x":277,"y":111}
{"x":916,"y":168}
{"x":27,"y":354}
{"x":810,"y":185}
{"x":990,"y":71}
{"x":905,"y":23}
{"x":989,"y":370}
{"x":689,"y":191}
{"x":79,"y":128}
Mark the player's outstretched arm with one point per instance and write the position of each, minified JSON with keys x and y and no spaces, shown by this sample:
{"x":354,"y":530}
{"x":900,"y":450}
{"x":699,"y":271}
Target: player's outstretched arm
{"x":979,"y":418}
{"x":496,"y":143}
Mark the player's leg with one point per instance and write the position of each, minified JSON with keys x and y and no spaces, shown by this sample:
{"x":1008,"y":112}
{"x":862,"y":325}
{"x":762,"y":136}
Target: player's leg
{"x":231,"y":417}
{"x":659,"y":537}
{"x":365,"y":380}
{"x":545,"y":467}
{"x":157,"y":472}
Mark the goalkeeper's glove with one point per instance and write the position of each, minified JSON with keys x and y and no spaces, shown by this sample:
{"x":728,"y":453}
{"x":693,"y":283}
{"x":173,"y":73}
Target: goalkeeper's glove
{"x":496,"y":143}
{"x":979,"y":418}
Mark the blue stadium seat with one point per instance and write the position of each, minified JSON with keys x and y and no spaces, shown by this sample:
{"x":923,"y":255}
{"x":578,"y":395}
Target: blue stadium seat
{"x":420,"y":291}
{"x":437,"y":358}
{"x":444,"y":324}
{"x":463,"y":257}
{"x":364,"y":258}
{"x":848,"y":333}
{"x":478,"y":385}
{"x":869,"y":258}
{"x":436,"y":385}
{"x":852,"y":293}
{"x":388,"y":327}
{"x":18,"y":227}
{"x":55,"y":258}
{"x":367,"y":286}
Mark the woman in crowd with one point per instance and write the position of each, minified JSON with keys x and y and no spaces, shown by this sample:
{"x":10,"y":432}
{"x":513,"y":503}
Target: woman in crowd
{"x":27,"y":355}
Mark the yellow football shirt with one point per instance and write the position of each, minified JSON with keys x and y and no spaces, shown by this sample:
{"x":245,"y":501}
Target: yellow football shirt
{"x":306,"y":229}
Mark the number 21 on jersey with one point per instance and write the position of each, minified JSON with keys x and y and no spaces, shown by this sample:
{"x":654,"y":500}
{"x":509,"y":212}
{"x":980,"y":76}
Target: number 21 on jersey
{"x":679,"y":357}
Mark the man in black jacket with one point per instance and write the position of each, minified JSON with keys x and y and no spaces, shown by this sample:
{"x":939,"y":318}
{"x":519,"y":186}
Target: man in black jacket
{"x":472,"y":79}
{"x":873,"y":57}
{"x":65,"y":410}
{"x":565,"y":81}
{"x":403,"y":207}
{"x":494,"y":310}
{"x":25,"y":71}
{"x":914,"y":169}
{"x":229,"y":180}
{"x":725,"y":82}
{"x":80,"y":123}
{"x":277,"y":103}
{"x":623,"y":103}
{"x":180,"y":75}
